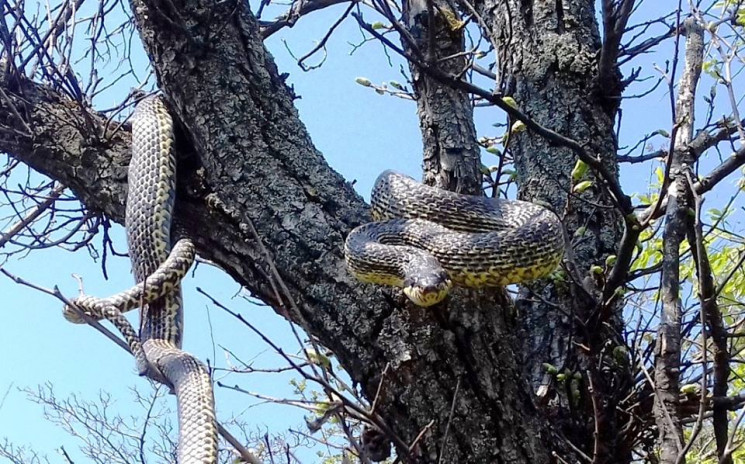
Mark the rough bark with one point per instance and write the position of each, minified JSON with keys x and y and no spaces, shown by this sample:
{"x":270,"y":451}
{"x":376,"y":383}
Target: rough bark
{"x":677,"y":222}
{"x":548,"y":64}
{"x":253,"y":164}
{"x":452,"y":157}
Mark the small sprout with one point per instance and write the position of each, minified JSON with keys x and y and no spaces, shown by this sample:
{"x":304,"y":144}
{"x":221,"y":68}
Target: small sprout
{"x":317,"y":358}
{"x":485,"y":170}
{"x":517,"y":127}
{"x":621,"y":354}
{"x":575,"y":392}
{"x":363,"y":81}
{"x":610,"y":261}
{"x":396,"y":85}
{"x":597,"y":270}
{"x":690,"y":388}
{"x":550,"y":369}
{"x":493,"y":150}
{"x":380,"y":91}
{"x":558,"y":276}
{"x":577,"y":376}
{"x":582,"y":186}
{"x":663,"y":133}
{"x":510,"y":102}
{"x":378,"y":25}
{"x":580,"y":231}
{"x":479,"y":54}
{"x":579,"y":171}
{"x":561,"y":377}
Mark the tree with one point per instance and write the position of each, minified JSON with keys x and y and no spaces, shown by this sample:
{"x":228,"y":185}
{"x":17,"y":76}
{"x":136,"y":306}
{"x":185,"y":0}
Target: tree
{"x":450,"y":384}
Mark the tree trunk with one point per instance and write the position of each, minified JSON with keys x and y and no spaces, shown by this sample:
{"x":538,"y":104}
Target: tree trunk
{"x":548,"y":59}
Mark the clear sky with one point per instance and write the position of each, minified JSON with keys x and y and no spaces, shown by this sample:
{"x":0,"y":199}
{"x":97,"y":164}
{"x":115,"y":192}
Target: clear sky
{"x":360,"y":133}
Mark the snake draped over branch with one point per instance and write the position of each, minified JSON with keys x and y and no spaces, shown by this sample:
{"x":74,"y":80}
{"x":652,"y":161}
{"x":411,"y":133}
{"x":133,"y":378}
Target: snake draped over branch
{"x":158,"y":269}
{"x":426,"y":239}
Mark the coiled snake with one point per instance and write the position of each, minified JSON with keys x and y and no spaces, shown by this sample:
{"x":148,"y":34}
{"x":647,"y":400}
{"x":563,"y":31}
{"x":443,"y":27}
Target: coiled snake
{"x":158,"y":270}
{"x":430,"y":239}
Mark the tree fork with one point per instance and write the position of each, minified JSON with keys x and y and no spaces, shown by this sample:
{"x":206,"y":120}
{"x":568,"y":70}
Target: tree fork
{"x":255,"y":164}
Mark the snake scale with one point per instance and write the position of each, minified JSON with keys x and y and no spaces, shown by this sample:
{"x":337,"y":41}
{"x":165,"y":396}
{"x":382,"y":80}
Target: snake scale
{"x":427,"y":239}
{"x":158,"y":270}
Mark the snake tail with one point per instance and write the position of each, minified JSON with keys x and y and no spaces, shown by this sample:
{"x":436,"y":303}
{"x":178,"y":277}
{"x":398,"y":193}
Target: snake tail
{"x":155,"y":286}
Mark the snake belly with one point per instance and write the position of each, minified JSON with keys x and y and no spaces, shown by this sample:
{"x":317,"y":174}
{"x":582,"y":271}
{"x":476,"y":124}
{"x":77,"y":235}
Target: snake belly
{"x":150,"y":200}
{"x":478,"y":241}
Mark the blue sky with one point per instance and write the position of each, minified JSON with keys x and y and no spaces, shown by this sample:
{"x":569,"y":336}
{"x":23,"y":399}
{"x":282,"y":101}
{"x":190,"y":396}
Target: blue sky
{"x":360,"y":133}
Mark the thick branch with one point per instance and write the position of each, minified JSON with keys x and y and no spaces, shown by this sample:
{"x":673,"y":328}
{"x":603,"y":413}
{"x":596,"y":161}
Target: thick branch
{"x":452,"y":156}
{"x":709,"y":306}
{"x":667,"y":359}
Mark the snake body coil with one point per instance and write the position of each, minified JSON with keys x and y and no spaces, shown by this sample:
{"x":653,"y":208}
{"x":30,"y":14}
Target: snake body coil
{"x":431,"y":238}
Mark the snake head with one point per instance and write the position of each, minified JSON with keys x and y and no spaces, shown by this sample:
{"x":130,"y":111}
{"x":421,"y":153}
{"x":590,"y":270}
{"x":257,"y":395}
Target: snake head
{"x":427,"y":288}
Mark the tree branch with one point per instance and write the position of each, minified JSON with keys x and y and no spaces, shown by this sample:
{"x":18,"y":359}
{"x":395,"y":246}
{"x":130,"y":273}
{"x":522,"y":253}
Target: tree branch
{"x":667,"y":359}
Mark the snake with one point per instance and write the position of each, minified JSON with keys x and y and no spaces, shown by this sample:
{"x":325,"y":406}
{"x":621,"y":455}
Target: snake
{"x":158,"y":268}
{"x":426,"y":240}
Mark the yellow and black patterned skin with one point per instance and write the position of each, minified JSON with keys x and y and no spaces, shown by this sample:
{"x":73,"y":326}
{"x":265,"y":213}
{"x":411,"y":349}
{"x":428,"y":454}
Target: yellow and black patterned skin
{"x":158,"y":284}
{"x":158,"y":269}
{"x":427,"y":239}
{"x":150,"y":201}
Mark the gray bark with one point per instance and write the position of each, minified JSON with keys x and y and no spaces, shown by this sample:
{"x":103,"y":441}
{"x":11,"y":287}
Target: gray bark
{"x":548,"y":63}
{"x":452,"y":157}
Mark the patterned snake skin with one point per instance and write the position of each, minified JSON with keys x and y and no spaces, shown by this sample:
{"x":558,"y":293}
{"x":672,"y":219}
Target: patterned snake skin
{"x":158,"y":270}
{"x":430,"y":237}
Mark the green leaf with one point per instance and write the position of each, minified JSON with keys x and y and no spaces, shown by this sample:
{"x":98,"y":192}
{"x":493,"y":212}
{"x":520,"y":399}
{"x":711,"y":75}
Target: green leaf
{"x":510,"y":102}
{"x":663,"y":133}
{"x":660,"y":173}
{"x":550,"y":368}
{"x":689,"y":388}
{"x":518,"y":127}
{"x":582,"y":186}
{"x":579,"y":170}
